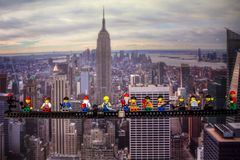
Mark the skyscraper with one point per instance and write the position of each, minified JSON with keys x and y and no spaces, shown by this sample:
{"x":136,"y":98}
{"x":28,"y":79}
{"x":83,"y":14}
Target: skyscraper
{"x":218,"y":147}
{"x":233,"y":45}
{"x":194,"y":130}
{"x":15,"y":133}
{"x":2,"y":149}
{"x":84,"y":81}
{"x":103,"y":63}
{"x":4,"y":107}
{"x":235,"y":82}
{"x":35,"y":148}
{"x":149,"y":138}
{"x":185,"y":79}
{"x":217,"y":89}
{"x":61,"y":129}
{"x":3,"y":83}
{"x":161,"y":72}
{"x":233,"y":78}
{"x":185,"y":76}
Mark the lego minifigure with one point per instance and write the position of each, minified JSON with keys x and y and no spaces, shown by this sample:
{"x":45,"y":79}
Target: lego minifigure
{"x":181,"y":104}
{"x":85,"y":105}
{"x":27,"y":106}
{"x":209,"y":102}
{"x":12,"y":102}
{"x":125,"y":102}
{"x":194,"y":103}
{"x":106,"y":105}
{"x":46,"y":106}
{"x":146,"y":104}
{"x":161,"y":103}
{"x":66,"y":105}
{"x":133,"y":104}
{"x":232,"y":104}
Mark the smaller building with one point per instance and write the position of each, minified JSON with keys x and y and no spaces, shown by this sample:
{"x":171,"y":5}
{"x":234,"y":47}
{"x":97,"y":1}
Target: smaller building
{"x":218,"y":147}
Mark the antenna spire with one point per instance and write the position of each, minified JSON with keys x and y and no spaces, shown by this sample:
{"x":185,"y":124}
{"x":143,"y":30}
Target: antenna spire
{"x":103,"y":20}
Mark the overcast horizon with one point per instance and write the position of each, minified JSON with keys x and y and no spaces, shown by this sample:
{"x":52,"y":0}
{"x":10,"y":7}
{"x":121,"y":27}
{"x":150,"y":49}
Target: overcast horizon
{"x":56,"y":25}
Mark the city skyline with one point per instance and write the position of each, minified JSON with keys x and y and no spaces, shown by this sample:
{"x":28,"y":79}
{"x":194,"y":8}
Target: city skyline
{"x":39,"y":26}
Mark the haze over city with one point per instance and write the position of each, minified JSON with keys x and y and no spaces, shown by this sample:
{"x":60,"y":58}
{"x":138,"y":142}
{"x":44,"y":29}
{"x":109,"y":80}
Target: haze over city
{"x":46,"y":26}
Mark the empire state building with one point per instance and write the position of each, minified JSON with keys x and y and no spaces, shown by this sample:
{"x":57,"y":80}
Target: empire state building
{"x":103,"y":64}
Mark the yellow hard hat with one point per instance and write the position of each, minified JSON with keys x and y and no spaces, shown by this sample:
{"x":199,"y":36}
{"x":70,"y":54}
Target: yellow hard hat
{"x":105,"y":98}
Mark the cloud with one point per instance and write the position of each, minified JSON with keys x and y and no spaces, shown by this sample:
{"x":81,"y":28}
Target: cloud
{"x":40,"y":25}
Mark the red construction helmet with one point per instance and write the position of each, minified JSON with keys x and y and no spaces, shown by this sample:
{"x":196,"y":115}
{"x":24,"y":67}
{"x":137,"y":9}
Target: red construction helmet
{"x":28,"y":98}
{"x":125,"y":95}
{"x":232,"y":92}
{"x":85,"y":98}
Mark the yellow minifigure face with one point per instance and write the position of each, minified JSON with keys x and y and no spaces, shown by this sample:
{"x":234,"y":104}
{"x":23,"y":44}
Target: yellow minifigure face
{"x":27,"y":100}
{"x":133,"y":100}
{"x":65,"y":100}
{"x":148,"y":100}
{"x":193,"y":99}
{"x":160,"y":99}
{"x":46,"y":101}
{"x":106,"y":98}
{"x":208,"y":99}
{"x":181,"y":99}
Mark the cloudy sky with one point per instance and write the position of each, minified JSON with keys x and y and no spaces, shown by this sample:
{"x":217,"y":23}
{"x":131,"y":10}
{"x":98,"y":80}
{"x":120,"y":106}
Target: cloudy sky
{"x":65,"y":25}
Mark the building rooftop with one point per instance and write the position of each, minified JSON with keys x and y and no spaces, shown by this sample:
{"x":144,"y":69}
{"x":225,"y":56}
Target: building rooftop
{"x":234,"y":125}
{"x":149,"y":88}
{"x":219,"y":138}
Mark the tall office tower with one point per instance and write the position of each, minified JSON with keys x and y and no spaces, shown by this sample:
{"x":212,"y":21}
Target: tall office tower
{"x":70,"y":76}
{"x":161,"y":72}
{"x":111,"y":134}
{"x":2,"y":149}
{"x":60,"y":127}
{"x":71,"y":140}
{"x":194,"y":130}
{"x":4,"y":107}
{"x":84,"y":80}
{"x":34,"y":147}
{"x":185,"y":76}
{"x":185,"y":79}
{"x":233,"y":46}
{"x":235,"y":82}
{"x":15,"y":133}
{"x":43,"y":130}
{"x":103,"y":64}
{"x":216,"y":146}
{"x":149,"y":138}
{"x":217,"y":89}
{"x":95,"y":146}
{"x":199,"y":54}
{"x":135,"y":79}
{"x":30,"y":89}
{"x":3,"y":83}
{"x":177,"y":144}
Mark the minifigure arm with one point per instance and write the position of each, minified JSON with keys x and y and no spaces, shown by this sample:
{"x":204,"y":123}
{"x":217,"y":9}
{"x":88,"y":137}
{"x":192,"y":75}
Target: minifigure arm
{"x":49,"y":105}
{"x":150,"y":105}
{"x":42,"y":105}
{"x":109,"y":104}
{"x":69,"y":105}
{"x":89,"y":105}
